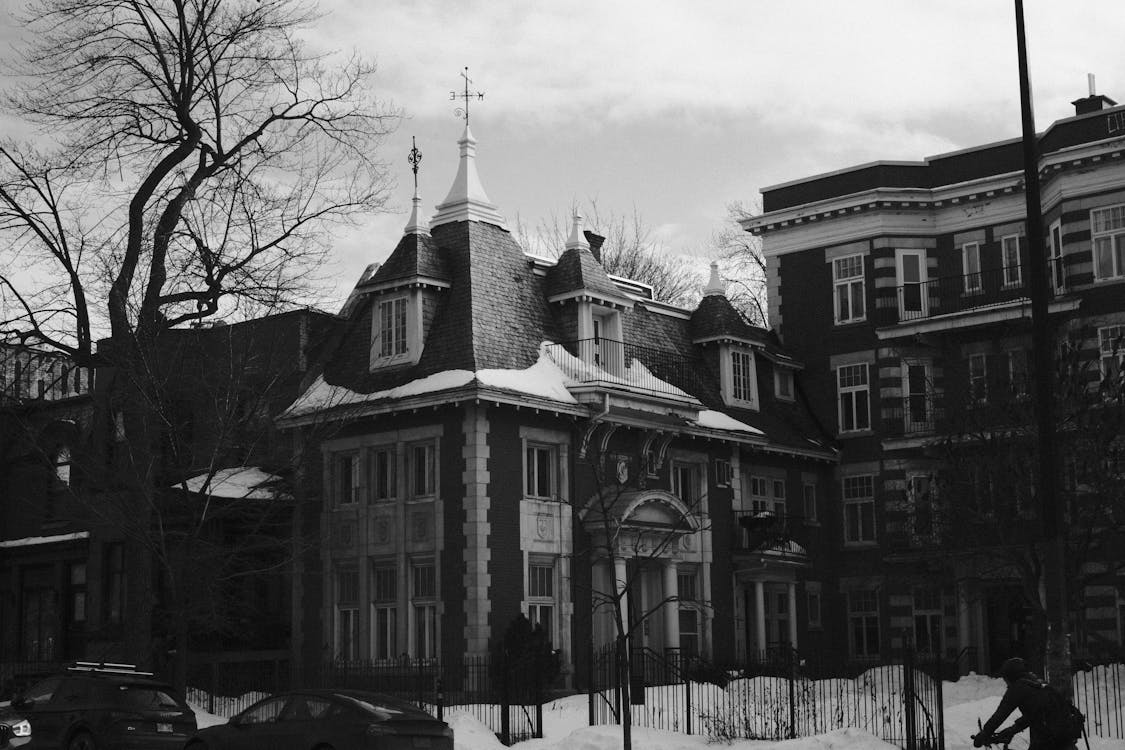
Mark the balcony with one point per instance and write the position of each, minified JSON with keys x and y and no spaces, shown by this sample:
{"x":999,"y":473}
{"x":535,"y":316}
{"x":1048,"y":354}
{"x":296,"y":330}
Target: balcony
{"x":622,"y":366}
{"x":767,"y":532}
{"x":912,"y":416}
{"x":988,"y":290}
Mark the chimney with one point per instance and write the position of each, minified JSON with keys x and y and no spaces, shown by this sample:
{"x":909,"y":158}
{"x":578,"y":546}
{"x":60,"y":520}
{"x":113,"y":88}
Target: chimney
{"x":1093,"y":102}
{"x":595,"y":241}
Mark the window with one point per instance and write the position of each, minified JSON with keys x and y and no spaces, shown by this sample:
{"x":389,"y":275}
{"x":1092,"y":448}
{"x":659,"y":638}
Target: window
{"x":345,"y":478}
{"x":927,"y":621}
{"x":783,"y":383}
{"x":1017,"y":372}
{"x":759,"y":495}
{"x":424,"y":610}
{"x":812,"y":600}
{"x":918,"y":489}
{"x":541,"y":596}
{"x":916,"y":396}
{"x":685,"y":483}
{"x":913,"y":300}
{"x":743,"y":378}
{"x":62,"y":466}
{"x":1111,"y":351}
{"x":688,"y":594}
{"x":723,"y":472}
{"x":859,"y":509}
{"x":1010,"y":254}
{"x":978,"y":378}
{"x":114,"y":582}
{"x":381,"y":473}
{"x":607,"y":349}
{"x":808,"y":490}
{"x":422,"y":470}
{"x":970,"y":266}
{"x":847,"y":276}
{"x":540,"y":471}
{"x":1107,"y":227}
{"x":863,"y":623}
{"x":77,"y":604}
{"x":384,"y":595}
{"x":392,"y":327}
{"x":853,"y":393}
{"x":263,"y":713}
{"x":779,"y":496}
{"x":1058,"y":269}
{"x":347,"y":614}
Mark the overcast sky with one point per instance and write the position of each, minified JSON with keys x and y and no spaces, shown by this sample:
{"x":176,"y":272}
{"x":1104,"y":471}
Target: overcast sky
{"x":679,"y":108}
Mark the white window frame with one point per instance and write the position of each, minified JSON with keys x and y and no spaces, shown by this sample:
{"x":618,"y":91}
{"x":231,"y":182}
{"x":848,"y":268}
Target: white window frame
{"x":916,"y":420}
{"x":384,"y":612}
{"x":901,"y":256}
{"x":695,"y":475}
{"x":1012,"y":274}
{"x":847,"y":397}
{"x":848,"y":287}
{"x":341,"y":496}
{"x":808,"y":500}
{"x":1058,"y":265}
{"x":395,"y":340}
{"x":688,"y":605}
{"x":857,"y":492}
{"x":970,"y":271}
{"x":385,"y":480}
{"x":863,"y":610}
{"x":930,"y":617}
{"x":347,"y":616}
{"x":429,"y":478}
{"x":532,"y":471}
{"x":778,"y":495}
{"x":1107,"y":234}
{"x":542,"y":607}
{"x":600,"y":330}
{"x":759,"y":489}
{"x":978,"y":378}
{"x":784,"y":376}
{"x":738,"y":378}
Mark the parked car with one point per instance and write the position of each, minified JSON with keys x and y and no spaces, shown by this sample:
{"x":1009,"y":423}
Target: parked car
{"x":327,"y":720}
{"x":89,"y":706}
{"x":15,"y":731}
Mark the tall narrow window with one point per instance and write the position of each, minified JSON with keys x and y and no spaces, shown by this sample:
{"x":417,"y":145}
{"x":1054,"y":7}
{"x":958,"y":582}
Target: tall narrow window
{"x":392,"y":327}
{"x":853,"y":394}
{"x":743,"y":378}
{"x":1010,"y":253}
{"x":1017,"y":373}
{"x":778,"y":496}
{"x":687,"y":591}
{"x":424,"y":610}
{"x":62,"y":466}
{"x":927,"y":621}
{"x":1058,"y":269}
{"x":812,"y":591}
{"x":422,"y":470}
{"x":918,"y":496}
{"x":863,"y":623}
{"x":916,"y":387}
{"x":1111,"y":352}
{"x":384,"y":598}
{"x":970,"y":265}
{"x":783,"y":383}
{"x":1107,"y":227}
{"x":809,"y":496}
{"x":77,"y":605}
{"x":346,"y":478}
{"x":114,"y":582}
{"x":381,"y":473}
{"x":978,"y":378}
{"x":759,"y":495}
{"x":347,"y":614}
{"x":539,"y":471}
{"x":913,"y":296}
{"x":541,"y":606}
{"x":685,"y":483}
{"x":847,"y":275}
{"x":859,"y":509}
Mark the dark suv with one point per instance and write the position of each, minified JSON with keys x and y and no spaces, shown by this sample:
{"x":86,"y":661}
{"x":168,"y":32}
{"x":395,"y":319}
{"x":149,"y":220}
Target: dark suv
{"x":99,"y":707}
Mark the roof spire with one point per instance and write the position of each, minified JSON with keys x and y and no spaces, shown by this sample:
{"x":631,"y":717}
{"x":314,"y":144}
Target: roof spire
{"x":467,"y":97}
{"x":467,"y":200}
{"x":415,"y":225}
{"x":715,"y":285}
{"x":577,"y":239}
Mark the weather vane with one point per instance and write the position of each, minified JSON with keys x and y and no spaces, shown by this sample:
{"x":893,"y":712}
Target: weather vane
{"x":454,"y":96}
{"x":415,"y":158}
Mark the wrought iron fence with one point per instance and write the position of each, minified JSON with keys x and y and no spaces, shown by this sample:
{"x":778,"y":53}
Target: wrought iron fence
{"x":620,"y":364}
{"x":952,"y":294}
{"x":755,"y":531}
{"x":1099,"y":693}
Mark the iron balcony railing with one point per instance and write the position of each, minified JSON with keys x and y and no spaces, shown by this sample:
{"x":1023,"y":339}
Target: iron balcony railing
{"x":952,"y":294}
{"x":920,"y":414}
{"x":761,"y":530}
{"x":619,"y":364}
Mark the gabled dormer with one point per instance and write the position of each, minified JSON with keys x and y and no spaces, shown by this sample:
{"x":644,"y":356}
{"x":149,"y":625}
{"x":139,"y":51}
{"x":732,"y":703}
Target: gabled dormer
{"x":715,"y":323}
{"x":404,"y":293}
{"x":592,"y":303}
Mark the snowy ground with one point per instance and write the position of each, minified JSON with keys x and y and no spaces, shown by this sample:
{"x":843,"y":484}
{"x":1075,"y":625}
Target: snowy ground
{"x":565,"y":728}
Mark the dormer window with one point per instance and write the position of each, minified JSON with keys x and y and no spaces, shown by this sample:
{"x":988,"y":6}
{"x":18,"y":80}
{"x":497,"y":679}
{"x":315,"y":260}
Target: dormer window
{"x":783,"y":383}
{"x":395,"y":338}
{"x":599,"y":329}
{"x":739,"y":377}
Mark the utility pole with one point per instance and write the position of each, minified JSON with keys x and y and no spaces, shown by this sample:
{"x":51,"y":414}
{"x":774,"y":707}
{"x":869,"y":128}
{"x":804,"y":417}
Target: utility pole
{"x":1057,"y":658}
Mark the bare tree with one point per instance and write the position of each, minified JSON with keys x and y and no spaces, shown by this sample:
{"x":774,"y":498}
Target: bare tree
{"x":195,"y":153}
{"x":743,"y":264}
{"x":630,"y":250}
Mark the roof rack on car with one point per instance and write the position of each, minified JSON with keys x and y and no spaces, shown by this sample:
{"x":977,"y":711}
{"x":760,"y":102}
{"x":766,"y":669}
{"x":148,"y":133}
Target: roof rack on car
{"x":106,"y":667}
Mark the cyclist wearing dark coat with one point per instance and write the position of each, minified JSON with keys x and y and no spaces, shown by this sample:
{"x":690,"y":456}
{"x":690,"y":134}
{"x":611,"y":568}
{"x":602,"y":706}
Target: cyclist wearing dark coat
{"x":1025,"y":692}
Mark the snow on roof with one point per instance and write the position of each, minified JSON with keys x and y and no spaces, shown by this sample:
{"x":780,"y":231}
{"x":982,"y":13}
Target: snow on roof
{"x":235,"y":483}
{"x":543,"y":379}
{"x":30,"y":541}
{"x":716,"y":420}
{"x":635,"y":374}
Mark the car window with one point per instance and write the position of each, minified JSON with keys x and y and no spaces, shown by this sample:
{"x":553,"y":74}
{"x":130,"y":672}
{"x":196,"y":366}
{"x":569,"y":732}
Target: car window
{"x":266,"y":711}
{"x":308,"y":707}
{"x":42,"y":691}
{"x":145,"y":697}
{"x":73,"y":690}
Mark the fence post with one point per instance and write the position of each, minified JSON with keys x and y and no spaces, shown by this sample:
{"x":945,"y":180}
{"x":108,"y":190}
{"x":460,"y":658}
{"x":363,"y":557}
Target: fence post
{"x":440,"y":699}
{"x":538,"y":687}
{"x":505,"y":708}
{"x":591,"y":683}
{"x":687,"y":698}
{"x":792,"y":652}
{"x":214,"y":687}
{"x":908,"y":699}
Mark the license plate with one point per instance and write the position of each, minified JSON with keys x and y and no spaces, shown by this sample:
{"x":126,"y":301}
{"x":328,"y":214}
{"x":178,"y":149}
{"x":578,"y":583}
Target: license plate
{"x":161,"y":727}
{"x":421,"y":742}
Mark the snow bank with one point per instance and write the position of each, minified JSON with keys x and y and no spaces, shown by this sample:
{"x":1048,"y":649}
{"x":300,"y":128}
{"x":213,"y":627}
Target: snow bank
{"x":716,"y":420}
{"x":236,"y":483}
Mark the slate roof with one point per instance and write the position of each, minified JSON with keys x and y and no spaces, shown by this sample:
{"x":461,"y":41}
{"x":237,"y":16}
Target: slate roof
{"x":415,"y":255}
{"x":576,"y":270}
{"x":716,"y":317}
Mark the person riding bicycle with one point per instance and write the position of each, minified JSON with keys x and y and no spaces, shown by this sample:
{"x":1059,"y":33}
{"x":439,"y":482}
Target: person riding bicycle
{"x":1025,"y":692}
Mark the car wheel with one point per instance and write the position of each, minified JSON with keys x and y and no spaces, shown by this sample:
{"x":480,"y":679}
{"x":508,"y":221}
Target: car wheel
{"x":82,"y":741}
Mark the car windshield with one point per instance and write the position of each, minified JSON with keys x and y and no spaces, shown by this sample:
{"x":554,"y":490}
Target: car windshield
{"x":146,"y":697}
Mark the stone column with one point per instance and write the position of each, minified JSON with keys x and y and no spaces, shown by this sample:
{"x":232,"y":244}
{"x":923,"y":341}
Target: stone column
{"x":760,"y":614}
{"x":671,"y":606}
{"x":793,"y":614}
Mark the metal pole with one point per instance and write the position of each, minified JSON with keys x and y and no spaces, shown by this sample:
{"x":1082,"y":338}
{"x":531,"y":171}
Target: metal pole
{"x":1057,"y":662}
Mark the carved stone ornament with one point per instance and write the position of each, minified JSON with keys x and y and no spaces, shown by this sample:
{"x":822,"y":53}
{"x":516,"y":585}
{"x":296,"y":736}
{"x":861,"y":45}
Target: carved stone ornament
{"x":622,"y":469}
{"x":382,"y":530}
{"x":544,"y":526}
{"x":421,"y":526}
